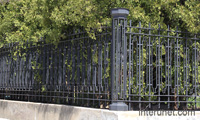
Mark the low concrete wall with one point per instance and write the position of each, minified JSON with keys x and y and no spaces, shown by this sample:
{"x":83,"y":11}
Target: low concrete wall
{"x":16,"y":110}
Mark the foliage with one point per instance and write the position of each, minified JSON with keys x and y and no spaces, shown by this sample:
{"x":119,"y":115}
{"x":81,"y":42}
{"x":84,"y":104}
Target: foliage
{"x":23,"y":20}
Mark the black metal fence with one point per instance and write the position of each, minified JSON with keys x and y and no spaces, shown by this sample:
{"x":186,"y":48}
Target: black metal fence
{"x":145,"y":68}
{"x":154,"y":68}
{"x":75,"y":71}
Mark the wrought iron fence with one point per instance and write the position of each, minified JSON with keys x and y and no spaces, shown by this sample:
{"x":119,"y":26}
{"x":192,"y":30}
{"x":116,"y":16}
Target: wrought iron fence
{"x":75,"y":71}
{"x":126,"y":67}
{"x":154,"y":68}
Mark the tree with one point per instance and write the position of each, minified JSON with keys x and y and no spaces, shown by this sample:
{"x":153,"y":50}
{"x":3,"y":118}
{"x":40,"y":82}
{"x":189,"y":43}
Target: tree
{"x":23,"y":20}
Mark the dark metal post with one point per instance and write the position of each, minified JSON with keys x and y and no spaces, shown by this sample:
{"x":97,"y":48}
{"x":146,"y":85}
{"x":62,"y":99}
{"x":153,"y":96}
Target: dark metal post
{"x":119,"y":59}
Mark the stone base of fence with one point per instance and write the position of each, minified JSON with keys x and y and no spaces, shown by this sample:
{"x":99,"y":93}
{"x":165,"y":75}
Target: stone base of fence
{"x":17,"y":110}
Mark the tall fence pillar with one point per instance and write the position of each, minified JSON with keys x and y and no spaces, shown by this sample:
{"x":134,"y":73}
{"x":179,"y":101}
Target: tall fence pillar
{"x":119,"y":59}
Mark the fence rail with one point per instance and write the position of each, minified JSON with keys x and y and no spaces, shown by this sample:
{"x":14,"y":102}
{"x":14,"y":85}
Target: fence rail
{"x":143,"y":67}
